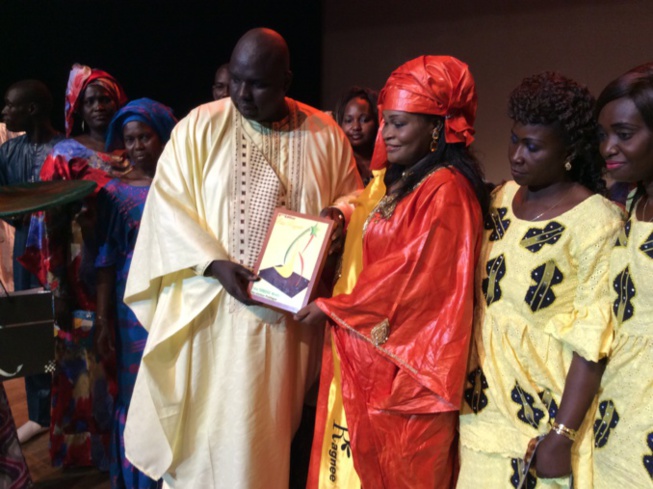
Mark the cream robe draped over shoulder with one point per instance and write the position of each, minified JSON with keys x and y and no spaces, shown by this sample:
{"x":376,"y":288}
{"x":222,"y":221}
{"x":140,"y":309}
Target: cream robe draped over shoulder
{"x":221,"y":386}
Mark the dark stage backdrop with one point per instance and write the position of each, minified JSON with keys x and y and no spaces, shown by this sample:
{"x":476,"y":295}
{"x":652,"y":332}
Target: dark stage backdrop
{"x":164,"y":50}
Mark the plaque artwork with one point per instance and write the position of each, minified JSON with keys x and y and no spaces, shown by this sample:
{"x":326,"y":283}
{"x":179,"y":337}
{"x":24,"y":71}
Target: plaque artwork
{"x":291,"y":260}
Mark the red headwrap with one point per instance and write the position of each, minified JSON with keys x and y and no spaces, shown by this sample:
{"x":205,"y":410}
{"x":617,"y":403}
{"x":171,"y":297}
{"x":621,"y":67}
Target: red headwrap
{"x":438,"y":85}
{"x":82,"y":76}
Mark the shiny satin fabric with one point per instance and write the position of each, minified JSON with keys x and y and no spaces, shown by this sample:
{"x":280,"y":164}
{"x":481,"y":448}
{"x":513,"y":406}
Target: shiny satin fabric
{"x":220,"y":390}
{"x":352,"y":257}
{"x":402,"y":395}
{"x":331,"y":465}
{"x":437,"y":85}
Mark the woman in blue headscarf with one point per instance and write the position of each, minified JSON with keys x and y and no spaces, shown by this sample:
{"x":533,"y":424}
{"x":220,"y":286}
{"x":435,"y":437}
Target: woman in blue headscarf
{"x":143,"y":127}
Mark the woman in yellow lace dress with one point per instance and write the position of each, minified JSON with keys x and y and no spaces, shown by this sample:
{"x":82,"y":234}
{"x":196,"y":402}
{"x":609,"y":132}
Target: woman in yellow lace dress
{"x":623,"y":428}
{"x":543,"y":315}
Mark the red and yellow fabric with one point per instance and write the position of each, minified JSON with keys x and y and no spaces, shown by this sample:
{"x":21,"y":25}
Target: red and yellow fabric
{"x":331,"y":457}
{"x":403,"y":309}
{"x":402,"y":395}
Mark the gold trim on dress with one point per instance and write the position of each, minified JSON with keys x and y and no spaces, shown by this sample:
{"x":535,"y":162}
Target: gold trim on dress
{"x":387,"y":205}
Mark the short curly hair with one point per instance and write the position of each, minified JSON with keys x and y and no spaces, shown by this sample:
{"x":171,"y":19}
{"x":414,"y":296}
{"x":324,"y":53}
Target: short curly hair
{"x":552,"y":99}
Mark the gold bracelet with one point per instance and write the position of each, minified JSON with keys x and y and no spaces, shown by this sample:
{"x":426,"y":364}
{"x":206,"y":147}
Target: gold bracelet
{"x":563,"y":430}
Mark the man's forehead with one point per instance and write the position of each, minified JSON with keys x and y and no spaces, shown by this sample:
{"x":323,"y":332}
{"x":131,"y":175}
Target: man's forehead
{"x":254,"y":67}
{"x":15,"y":95}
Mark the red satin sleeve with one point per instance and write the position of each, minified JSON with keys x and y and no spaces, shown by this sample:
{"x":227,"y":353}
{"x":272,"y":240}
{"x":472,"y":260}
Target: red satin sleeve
{"x":57,"y":167}
{"x":417,"y":283}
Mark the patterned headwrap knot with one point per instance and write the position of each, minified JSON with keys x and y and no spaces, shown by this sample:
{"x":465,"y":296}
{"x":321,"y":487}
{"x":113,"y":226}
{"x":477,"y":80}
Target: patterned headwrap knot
{"x":437,"y":85}
{"x":82,"y":76}
{"x":150,"y":112}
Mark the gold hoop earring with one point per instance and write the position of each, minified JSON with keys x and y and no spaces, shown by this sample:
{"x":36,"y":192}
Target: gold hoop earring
{"x":568,"y":165}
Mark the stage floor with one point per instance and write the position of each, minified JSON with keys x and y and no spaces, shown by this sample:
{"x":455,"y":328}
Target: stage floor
{"x":36,"y":452}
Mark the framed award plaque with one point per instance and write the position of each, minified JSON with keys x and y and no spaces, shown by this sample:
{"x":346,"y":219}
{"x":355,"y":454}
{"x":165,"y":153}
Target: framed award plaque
{"x":291,"y":260}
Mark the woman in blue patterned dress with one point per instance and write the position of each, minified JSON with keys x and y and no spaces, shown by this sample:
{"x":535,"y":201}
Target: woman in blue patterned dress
{"x":143,"y":126}
{"x":60,"y":253}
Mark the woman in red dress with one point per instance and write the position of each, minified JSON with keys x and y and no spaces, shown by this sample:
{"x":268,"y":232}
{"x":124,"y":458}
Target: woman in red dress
{"x":401,"y":325}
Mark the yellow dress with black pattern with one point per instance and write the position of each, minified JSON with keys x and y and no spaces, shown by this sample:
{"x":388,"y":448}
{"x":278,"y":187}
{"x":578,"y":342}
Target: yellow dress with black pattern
{"x":623,"y":426}
{"x":542,"y":294}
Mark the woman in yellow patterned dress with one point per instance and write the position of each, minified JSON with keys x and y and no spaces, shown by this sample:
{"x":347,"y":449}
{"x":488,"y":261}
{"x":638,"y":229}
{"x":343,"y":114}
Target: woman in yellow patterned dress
{"x":623,"y":429}
{"x":543,"y":316}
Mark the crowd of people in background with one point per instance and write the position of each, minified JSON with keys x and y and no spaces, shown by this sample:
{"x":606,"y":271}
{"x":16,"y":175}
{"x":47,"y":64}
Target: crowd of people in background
{"x":475,"y":334}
